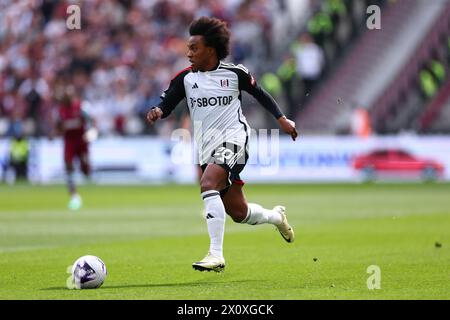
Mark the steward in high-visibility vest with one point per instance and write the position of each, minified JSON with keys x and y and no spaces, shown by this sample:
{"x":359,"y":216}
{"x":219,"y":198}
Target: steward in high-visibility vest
{"x":18,"y":156}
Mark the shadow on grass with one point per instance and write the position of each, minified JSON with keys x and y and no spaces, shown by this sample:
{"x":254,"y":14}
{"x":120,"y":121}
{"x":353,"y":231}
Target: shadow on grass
{"x":156,"y":285}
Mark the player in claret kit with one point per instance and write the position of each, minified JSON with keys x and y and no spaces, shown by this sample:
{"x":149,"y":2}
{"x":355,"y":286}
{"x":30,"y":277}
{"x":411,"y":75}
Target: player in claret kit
{"x":213,"y":92}
{"x":74,"y":124}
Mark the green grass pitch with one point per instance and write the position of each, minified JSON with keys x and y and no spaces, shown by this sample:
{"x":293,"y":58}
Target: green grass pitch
{"x":149,"y":236}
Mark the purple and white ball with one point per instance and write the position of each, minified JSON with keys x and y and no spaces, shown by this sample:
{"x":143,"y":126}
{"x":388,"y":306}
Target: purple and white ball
{"x":88,"y":272}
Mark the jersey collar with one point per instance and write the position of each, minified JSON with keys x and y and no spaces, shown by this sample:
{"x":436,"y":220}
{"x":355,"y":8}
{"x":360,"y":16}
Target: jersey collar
{"x":216,"y":67}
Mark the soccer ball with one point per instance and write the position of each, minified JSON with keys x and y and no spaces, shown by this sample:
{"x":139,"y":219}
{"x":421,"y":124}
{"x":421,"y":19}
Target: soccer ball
{"x":88,"y":272}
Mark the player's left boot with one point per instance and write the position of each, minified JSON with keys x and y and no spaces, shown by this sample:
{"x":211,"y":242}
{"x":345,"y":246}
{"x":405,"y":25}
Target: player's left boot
{"x":286,"y":231}
{"x":210,"y":263}
{"x":75,"y":202}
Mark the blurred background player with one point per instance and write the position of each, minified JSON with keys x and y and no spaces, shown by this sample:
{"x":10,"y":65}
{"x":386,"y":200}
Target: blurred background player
{"x":213,"y":92}
{"x":73,"y":124}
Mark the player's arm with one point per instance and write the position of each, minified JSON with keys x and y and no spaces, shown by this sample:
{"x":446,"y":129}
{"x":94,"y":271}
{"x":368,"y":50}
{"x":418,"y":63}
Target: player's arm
{"x":87,"y":119}
{"x":248,"y":84}
{"x":169,"y":99}
{"x":91,"y":131}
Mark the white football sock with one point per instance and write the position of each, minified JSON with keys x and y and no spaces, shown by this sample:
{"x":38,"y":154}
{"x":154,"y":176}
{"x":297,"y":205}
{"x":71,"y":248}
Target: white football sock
{"x":258,"y":215}
{"x":215,"y":219}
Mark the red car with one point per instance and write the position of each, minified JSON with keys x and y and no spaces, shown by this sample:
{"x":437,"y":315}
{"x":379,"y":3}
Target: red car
{"x":394,"y":162}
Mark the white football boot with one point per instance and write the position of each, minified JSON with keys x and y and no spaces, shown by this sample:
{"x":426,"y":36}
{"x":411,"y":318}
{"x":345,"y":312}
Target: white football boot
{"x":75,"y":202}
{"x":210,"y":263}
{"x":284,"y":228}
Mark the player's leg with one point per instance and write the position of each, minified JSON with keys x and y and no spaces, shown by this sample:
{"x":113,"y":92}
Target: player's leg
{"x":69,"y":157}
{"x":84,"y":161}
{"x":240,"y":211}
{"x":235,"y":203}
{"x":213,"y":180}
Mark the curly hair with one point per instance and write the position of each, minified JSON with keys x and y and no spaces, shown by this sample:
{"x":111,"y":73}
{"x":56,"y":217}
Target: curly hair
{"x":215,"y":34}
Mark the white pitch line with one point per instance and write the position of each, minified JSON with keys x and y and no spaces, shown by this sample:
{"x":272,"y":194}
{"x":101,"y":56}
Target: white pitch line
{"x":25,"y":248}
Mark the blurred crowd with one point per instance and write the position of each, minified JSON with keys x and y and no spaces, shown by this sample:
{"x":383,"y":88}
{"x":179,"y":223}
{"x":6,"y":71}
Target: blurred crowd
{"x":118,"y":63}
{"x":126,"y":51}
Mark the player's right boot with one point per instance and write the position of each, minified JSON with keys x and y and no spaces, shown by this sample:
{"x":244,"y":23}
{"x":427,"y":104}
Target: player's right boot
{"x":210,"y":263}
{"x":286,"y":231}
{"x":75,"y":202}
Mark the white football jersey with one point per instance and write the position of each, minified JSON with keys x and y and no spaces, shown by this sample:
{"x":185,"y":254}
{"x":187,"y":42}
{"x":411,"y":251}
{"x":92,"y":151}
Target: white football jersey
{"x":214,"y":102}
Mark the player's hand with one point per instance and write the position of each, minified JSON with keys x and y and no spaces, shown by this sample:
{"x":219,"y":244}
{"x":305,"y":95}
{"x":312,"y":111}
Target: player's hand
{"x":153,"y":115}
{"x":288,"y":126}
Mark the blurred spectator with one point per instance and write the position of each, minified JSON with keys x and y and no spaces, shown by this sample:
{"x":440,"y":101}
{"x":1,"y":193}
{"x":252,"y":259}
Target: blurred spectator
{"x":361,"y":125}
{"x":287,"y":74}
{"x":336,"y":9}
{"x":448,"y":50}
{"x":338,"y":13}
{"x":432,"y":76}
{"x":438,"y":71}
{"x":272,"y":84}
{"x":428,"y":84}
{"x":320,"y":26}
{"x":309,"y":61}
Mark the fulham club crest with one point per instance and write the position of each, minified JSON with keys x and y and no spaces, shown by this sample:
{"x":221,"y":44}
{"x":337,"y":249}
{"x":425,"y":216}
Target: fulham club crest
{"x":224,"y":83}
